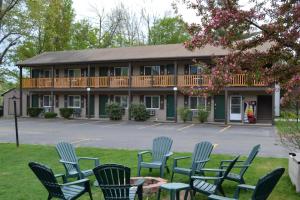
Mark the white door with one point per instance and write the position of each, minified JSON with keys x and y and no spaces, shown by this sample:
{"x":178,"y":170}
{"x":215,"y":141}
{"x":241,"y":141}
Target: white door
{"x":236,"y":108}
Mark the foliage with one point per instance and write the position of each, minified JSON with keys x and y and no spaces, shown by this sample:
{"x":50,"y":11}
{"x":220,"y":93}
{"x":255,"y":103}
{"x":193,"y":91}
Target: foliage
{"x":273,"y":24}
{"x":289,"y":131}
{"x":114,"y":111}
{"x":202,"y":114}
{"x":34,"y":112}
{"x":185,"y":114}
{"x":14,"y":170}
{"x":66,"y":112}
{"x":139,"y":112}
{"x":48,"y":115}
{"x":169,"y":30}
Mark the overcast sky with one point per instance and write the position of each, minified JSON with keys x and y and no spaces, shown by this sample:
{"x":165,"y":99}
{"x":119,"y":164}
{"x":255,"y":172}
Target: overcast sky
{"x":83,"y":8}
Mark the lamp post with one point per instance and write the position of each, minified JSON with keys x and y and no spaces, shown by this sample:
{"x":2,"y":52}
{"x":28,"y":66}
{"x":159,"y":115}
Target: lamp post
{"x":16,"y":120}
{"x":175,"y":103}
{"x":88,"y":102}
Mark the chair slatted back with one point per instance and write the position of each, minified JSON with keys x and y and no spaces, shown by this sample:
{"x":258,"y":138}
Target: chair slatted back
{"x":228,"y":169}
{"x":161,"y":146}
{"x":66,"y":152}
{"x":266,"y":184}
{"x":202,"y":151}
{"x":47,"y":178}
{"x":250,"y":159}
{"x":114,"y":181}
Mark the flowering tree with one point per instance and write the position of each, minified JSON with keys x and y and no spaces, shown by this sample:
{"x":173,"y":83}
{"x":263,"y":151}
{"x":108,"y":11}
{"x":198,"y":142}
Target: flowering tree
{"x":243,"y":29}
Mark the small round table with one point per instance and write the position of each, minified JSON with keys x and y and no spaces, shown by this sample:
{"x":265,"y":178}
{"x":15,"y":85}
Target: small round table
{"x":174,"y":189}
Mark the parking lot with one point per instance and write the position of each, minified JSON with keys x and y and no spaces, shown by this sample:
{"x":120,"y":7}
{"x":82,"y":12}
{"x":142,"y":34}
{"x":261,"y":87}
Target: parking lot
{"x":231,"y":139}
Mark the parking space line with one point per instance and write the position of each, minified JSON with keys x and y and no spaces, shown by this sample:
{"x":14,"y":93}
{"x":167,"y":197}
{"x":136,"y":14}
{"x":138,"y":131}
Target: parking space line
{"x":112,"y":125}
{"x":185,"y":127}
{"x":157,"y":124}
{"x":224,"y":129}
{"x":81,"y":140}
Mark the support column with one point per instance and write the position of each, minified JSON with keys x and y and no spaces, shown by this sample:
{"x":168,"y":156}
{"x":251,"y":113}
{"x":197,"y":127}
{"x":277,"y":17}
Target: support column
{"x":129,"y":89}
{"x":175,"y":92}
{"x":226,"y":106}
{"x":273,"y":107}
{"x":52,"y":92}
{"x":21,"y":91}
{"x":88,"y":93}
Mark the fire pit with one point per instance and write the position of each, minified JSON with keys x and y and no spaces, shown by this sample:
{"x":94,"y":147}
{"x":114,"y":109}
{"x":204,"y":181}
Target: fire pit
{"x":151,"y":184}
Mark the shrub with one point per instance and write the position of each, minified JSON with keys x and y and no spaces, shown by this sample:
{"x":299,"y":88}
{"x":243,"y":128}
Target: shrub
{"x":114,"y":111}
{"x":49,"y":115}
{"x":185,"y":114}
{"x":66,"y":112}
{"x":139,"y":112}
{"x":34,"y":112}
{"x":202,"y":114}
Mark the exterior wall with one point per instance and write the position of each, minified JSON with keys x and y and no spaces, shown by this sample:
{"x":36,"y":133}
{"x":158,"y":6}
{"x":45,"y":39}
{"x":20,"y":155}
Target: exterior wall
{"x":8,"y":103}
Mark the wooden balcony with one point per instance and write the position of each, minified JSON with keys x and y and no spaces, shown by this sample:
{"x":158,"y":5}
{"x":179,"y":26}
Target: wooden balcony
{"x":239,"y":80}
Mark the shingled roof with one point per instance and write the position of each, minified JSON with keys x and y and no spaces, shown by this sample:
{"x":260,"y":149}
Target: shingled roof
{"x":154,"y":52}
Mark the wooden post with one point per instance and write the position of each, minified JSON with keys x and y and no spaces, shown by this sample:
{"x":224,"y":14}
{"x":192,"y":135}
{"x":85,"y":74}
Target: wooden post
{"x":88,"y":93}
{"x":273,"y":108}
{"x":21,"y":91}
{"x":226,"y":106}
{"x":129,"y":89}
{"x":175,"y":91}
{"x":52,"y":93}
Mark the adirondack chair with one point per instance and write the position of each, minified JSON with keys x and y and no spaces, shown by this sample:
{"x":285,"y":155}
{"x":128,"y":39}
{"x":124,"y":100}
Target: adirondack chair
{"x":261,"y":191}
{"x":239,"y":177}
{"x":160,"y":154}
{"x":114,"y":182}
{"x":65,"y":191}
{"x":201,"y":184}
{"x":70,"y":161}
{"x":200,"y":157}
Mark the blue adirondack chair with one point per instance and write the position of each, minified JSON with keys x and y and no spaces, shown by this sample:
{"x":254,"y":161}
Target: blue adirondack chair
{"x":65,"y":191}
{"x":114,"y":182}
{"x":261,"y":191}
{"x":70,"y":161}
{"x":239,"y":177}
{"x":200,"y":157}
{"x":161,"y":151}
{"x":201,"y":183}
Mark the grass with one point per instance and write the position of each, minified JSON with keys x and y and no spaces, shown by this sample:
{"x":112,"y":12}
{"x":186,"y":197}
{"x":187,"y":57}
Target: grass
{"x":18,"y":182}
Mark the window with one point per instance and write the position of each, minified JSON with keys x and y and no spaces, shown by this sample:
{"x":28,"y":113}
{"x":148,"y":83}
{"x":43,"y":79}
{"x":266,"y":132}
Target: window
{"x":74,"y":72}
{"x":47,"y":101}
{"x":195,"y":102}
{"x":152,"y":102}
{"x":152,"y":70}
{"x":122,"y":100}
{"x":74,"y":101}
{"x":195,"y":69}
{"x":121,"y":71}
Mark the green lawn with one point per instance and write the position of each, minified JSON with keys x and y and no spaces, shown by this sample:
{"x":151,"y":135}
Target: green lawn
{"x":18,"y":182}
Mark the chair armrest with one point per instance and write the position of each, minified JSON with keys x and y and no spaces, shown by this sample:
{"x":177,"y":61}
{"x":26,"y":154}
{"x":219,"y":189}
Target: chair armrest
{"x":169,"y":154}
{"x":201,"y":161}
{"x":236,"y":166}
{"x":97,"y":163}
{"x":206,"y":177}
{"x":212,"y":170}
{"x":246,"y":187}
{"x":217,"y":197}
{"x":67,"y":162}
{"x":63,"y":177}
{"x":76,"y":182}
{"x":144,"y":152}
{"x":182,"y":157}
{"x":232,"y":160}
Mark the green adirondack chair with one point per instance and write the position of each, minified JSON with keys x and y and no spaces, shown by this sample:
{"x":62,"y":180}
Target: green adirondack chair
{"x":200,"y":157}
{"x":161,"y":151}
{"x":70,"y":161}
{"x":261,"y":191}
{"x":65,"y":191}
{"x":201,"y":184}
{"x":114,"y":182}
{"x":239,"y":177}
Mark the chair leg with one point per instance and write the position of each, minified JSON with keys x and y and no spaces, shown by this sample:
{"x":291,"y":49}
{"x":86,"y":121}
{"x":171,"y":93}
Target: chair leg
{"x":192,"y":195}
{"x":139,"y":171}
{"x":221,"y":191}
{"x":172,"y":176}
{"x":186,"y":194}
{"x":168,"y":170}
{"x":49,"y":197}
{"x":88,"y":188}
{"x":158,"y":194}
{"x":140,"y":192}
{"x":177,"y":195}
{"x":150,"y":170}
{"x":161,"y":172}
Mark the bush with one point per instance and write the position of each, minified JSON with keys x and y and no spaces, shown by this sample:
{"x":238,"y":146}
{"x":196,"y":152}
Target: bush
{"x":139,"y":112}
{"x":49,"y":115}
{"x":114,"y":111}
{"x":202,"y":114}
{"x":34,"y":112}
{"x":185,"y":114}
{"x":66,"y":112}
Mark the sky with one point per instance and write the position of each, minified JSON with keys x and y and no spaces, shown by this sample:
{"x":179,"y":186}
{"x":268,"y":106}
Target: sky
{"x":84,"y":8}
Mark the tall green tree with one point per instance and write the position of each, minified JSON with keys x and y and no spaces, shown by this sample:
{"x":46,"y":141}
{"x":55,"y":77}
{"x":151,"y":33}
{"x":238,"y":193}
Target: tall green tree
{"x":169,"y":30}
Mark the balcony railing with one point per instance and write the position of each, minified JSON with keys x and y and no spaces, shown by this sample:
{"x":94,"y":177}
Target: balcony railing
{"x":238,"y":80}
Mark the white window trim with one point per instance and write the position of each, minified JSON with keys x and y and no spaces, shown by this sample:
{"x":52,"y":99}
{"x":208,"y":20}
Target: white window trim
{"x":152,"y":69}
{"x":73,"y":101}
{"x":49,"y":101}
{"x":205,"y":103}
{"x":152,"y":102}
{"x":121,"y":97}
